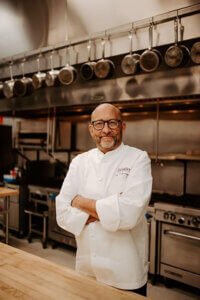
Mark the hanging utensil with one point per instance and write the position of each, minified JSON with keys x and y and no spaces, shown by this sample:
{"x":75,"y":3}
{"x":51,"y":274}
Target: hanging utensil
{"x":130,"y":62}
{"x":52,"y":75}
{"x":24,"y":85}
{"x":87,"y":69}
{"x":176,"y":55}
{"x":8,"y":86}
{"x":151,"y":58}
{"x":68,"y":74}
{"x":1,"y":90}
{"x":104,"y":67}
{"x":39,"y":77}
{"x":195,"y":53}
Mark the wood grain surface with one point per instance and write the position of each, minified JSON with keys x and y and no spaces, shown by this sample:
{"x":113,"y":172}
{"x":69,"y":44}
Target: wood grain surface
{"x":26,"y":276}
{"x":7,"y":192}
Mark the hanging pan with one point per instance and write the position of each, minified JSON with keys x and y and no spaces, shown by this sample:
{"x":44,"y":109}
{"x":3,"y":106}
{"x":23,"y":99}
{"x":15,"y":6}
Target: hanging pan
{"x":130,"y":62}
{"x":195,"y":53}
{"x":52,"y":75}
{"x":1,"y":90}
{"x":104,"y":67}
{"x":24,"y":85}
{"x":176,"y":55}
{"x":87,"y":69}
{"x":68,"y":74}
{"x":39,"y":77}
{"x":8,"y":86}
{"x":151,"y":58}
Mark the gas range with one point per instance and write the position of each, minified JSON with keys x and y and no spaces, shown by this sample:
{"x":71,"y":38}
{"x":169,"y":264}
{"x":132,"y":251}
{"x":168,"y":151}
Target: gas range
{"x":177,"y":214}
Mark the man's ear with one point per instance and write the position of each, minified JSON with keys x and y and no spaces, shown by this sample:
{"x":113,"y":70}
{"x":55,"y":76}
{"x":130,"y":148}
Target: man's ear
{"x":91,"y":130}
{"x":123,"y":127}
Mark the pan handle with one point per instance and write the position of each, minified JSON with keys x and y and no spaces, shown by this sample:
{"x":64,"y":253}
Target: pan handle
{"x":130,"y":36}
{"x":150,"y":36}
{"x":11,"y":70}
{"x":176,"y":31}
{"x":89,"y":50}
{"x":103,"y":48}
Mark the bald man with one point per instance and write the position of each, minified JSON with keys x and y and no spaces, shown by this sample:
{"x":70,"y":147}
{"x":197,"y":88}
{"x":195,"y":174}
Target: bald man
{"x":103,"y":202}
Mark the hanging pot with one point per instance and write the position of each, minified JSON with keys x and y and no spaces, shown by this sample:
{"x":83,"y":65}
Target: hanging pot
{"x":104,"y":67}
{"x":39,"y":77}
{"x":150,"y":59}
{"x":87,"y":69}
{"x":68,"y":74}
{"x":1,"y":90}
{"x":130,"y":62}
{"x":195,"y":53}
{"x":52,"y":75}
{"x":176,"y":55}
{"x":24,"y":85}
{"x":8,"y":86}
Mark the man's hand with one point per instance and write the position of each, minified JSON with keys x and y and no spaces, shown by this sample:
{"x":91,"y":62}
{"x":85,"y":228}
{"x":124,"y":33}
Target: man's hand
{"x":85,"y":204}
{"x":90,"y":220}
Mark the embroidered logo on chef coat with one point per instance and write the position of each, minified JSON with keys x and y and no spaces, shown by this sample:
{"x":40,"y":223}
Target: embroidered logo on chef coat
{"x":123,"y":171}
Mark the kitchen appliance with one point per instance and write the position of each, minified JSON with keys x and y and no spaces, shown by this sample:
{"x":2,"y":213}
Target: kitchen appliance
{"x":87,"y":69}
{"x":68,"y":74}
{"x":55,"y":233}
{"x":179,"y":241}
{"x":152,"y":230}
{"x":150,"y":59}
{"x":130,"y":62}
{"x":39,"y":77}
{"x":104,"y":67}
{"x":24,"y":85}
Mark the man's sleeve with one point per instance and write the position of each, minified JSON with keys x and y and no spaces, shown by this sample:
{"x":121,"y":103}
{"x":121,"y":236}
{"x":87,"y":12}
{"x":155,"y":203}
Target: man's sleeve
{"x":124,"y":211}
{"x":70,"y":218}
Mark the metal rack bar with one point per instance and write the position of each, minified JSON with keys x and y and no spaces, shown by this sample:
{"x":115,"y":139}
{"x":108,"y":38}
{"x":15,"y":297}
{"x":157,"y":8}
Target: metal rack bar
{"x":112,"y":32}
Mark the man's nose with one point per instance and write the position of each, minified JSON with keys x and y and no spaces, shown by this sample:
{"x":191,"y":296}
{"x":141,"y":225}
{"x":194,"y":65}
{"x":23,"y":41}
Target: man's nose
{"x":106,"y":129}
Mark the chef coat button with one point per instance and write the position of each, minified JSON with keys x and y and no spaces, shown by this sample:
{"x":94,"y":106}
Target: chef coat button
{"x":100,"y":179}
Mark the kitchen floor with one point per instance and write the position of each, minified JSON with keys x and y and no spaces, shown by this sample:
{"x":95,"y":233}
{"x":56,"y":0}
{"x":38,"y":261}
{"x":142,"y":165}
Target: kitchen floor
{"x":66,"y":257}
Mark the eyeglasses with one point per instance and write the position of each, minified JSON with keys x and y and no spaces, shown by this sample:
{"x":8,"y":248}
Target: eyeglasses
{"x":112,"y":124}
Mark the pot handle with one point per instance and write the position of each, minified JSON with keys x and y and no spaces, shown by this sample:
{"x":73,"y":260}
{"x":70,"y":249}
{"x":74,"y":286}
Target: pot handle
{"x":176,"y":31}
{"x":68,"y":56}
{"x":150,"y":36}
{"x":22,"y":66}
{"x":38,"y":62}
{"x":51,"y":59}
{"x":130,"y":36}
{"x":11,"y":70}
{"x":103,"y":42}
{"x":89,"y":50}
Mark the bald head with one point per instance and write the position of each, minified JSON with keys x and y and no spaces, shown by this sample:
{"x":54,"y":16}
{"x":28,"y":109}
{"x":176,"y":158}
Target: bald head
{"x":106,"y":108}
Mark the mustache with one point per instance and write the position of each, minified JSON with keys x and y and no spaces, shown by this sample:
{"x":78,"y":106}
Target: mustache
{"x":107,"y":135}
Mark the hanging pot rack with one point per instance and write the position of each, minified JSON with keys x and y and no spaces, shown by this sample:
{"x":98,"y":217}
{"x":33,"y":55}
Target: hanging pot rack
{"x":113,"y":32}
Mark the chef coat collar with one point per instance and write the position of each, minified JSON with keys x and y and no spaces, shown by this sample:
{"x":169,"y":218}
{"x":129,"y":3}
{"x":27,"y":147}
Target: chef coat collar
{"x":101,"y":155}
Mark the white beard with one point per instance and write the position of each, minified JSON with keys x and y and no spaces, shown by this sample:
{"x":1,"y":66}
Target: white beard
{"x":107,"y":144}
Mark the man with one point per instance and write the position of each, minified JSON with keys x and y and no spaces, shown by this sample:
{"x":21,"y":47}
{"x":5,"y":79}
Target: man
{"x":103,"y":202}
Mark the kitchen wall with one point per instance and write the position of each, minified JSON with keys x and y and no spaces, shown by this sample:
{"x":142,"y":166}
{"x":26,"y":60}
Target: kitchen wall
{"x":28,"y":25}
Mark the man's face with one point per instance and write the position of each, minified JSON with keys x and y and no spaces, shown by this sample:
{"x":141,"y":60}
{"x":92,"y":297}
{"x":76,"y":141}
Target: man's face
{"x":107,"y":139}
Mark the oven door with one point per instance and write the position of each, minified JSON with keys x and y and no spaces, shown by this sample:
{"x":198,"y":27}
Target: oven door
{"x":180,"y":247}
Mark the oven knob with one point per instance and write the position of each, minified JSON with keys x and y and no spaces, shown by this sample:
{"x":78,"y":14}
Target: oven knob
{"x":195,"y":221}
{"x":181,"y":220}
{"x":166,"y":215}
{"x":172,"y":217}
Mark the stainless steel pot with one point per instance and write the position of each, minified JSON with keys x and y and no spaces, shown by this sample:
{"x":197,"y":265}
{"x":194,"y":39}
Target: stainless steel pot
{"x":52,"y":75}
{"x":176,"y":55}
{"x":24,"y":85}
{"x":68,"y":74}
{"x":39,"y":77}
{"x":195,"y":53}
{"x":130,"y":62}
{"x":8,"y":86}
{"x":87,"y":69}
{"x":104,"y":67}
{"x":150,"y":59}
{"x":1,"y":90}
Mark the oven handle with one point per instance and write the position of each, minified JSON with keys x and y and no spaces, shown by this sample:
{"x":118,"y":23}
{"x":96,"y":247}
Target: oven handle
{"x":174,"y":233}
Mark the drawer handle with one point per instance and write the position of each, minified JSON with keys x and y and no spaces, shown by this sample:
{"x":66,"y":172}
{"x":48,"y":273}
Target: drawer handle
{"x":173,"y":273}
{"x":174,"y":233}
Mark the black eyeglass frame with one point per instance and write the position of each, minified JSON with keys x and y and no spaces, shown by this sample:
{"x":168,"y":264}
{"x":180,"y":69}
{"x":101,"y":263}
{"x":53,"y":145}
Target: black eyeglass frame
{"x":118,"y":121}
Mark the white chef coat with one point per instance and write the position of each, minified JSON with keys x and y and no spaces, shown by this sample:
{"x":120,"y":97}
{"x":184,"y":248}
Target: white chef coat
{"x":114,"y":250}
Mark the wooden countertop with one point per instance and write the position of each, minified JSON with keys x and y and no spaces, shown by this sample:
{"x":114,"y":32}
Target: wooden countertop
{"x":4,"y":192}
{"x":26,"y":276}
